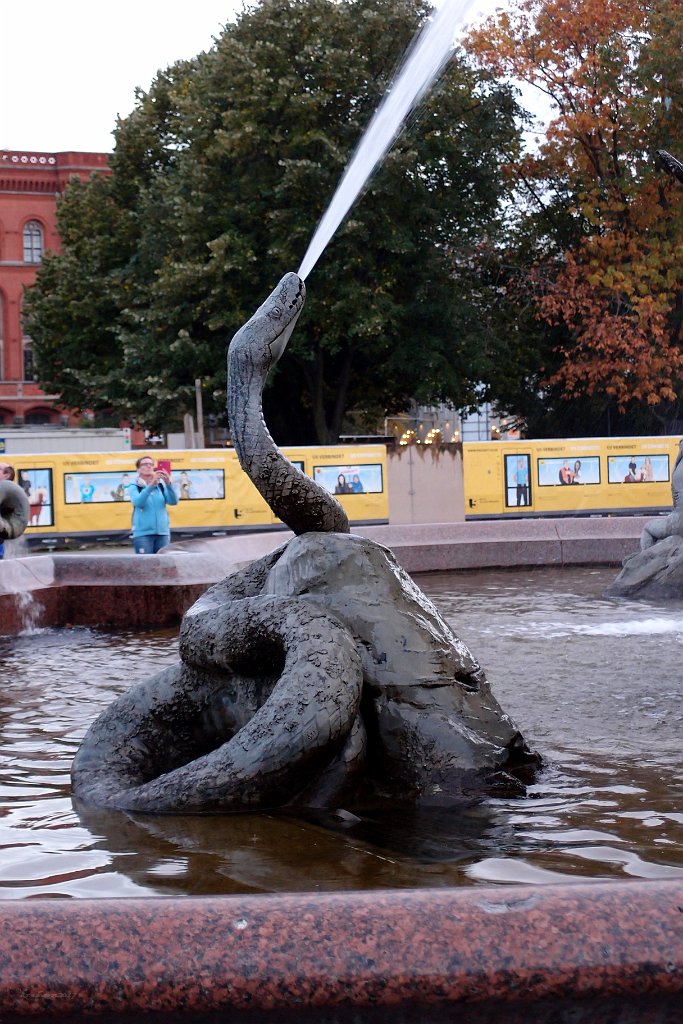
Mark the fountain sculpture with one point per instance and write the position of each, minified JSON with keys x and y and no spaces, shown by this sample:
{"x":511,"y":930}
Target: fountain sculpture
{"x":14,"y":511}
{"x":319,"y":674}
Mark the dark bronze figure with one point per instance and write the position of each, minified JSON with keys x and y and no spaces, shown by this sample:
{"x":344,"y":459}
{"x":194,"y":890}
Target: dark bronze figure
{"x":320,"y":674}
{"x":670,"y":164}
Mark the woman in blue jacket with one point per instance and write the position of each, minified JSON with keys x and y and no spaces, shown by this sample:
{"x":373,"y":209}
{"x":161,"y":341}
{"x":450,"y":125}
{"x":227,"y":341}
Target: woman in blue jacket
{"x":150,"y":494}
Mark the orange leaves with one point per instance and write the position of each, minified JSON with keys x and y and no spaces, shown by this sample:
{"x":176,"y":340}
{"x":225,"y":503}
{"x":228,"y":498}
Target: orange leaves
{"x":583,"y":54}
{"x":544,"y":41}
{"x":619,"y":323}
{"x":606,"y":226}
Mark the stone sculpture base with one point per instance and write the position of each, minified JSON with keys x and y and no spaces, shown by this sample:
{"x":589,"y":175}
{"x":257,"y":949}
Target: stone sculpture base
{"x":655,"y":573}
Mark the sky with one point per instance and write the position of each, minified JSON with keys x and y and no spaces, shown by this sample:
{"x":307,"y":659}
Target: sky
{"x":71,"y":68}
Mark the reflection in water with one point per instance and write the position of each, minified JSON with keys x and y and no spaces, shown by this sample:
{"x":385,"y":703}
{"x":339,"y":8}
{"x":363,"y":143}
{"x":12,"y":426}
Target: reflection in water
{"x":593,"y":684}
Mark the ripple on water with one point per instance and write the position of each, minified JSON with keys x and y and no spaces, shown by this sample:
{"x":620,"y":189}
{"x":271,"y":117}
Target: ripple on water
{"x":593,"y":684}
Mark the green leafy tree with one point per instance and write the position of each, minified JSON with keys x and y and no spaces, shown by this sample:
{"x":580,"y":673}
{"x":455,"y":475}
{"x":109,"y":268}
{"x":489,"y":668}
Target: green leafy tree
{"x":219,"y":177}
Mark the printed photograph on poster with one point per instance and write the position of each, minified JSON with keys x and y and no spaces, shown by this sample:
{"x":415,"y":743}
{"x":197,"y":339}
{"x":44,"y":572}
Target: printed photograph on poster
{"x":637,"y":469}
{"x":572,"y":470}
{"x":350,"y":479}
{"x":517,"y":483}
{"x":96,"y":488}
{"x":37,"y":483}
{"x":199,"y":484}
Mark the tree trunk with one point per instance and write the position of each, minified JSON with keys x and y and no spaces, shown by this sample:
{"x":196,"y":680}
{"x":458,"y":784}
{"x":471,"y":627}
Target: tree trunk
{"x":314,"y":374}
{"x":314,"y":377}
{"x":339,"y":407}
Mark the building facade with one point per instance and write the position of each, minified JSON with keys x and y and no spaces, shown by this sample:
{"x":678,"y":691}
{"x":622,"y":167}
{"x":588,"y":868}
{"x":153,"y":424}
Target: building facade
{"x":30,"y":184}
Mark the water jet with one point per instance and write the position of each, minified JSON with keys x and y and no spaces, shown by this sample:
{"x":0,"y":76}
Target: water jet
{"x":420,"y":68}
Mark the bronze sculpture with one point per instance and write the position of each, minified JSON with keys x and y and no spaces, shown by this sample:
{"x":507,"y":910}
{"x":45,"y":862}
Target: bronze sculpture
{"x":14,"y":510}
{"x":318,"y":675}
{"x":670,"y":164}
{"x":656,"y":570}
{"x":671,"y":525}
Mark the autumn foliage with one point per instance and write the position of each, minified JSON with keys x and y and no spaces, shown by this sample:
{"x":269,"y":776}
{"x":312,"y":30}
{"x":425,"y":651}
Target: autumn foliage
{"x":608,"y":221}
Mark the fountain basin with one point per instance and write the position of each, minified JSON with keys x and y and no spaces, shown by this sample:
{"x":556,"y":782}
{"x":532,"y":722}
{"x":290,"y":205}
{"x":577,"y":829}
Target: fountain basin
{"x":597,"y":952}
{"x":581,"y":952}
{"x":127,"y":590}
{"x":117,"y":589}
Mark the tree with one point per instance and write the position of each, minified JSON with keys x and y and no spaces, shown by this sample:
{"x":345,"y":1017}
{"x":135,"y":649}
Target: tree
{"x":601,"y":227}
{"x":219,"y":177}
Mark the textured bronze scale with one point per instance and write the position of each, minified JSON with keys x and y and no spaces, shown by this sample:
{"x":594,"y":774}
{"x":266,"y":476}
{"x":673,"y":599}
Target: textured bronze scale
{"x":14,"y":510}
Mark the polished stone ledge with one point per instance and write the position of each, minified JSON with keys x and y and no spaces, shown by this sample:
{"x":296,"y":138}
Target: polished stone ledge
{"x":512,"y":543}
{"x":445,"y":547}
{"x":122,"y":590}
{"x":589,"y":953}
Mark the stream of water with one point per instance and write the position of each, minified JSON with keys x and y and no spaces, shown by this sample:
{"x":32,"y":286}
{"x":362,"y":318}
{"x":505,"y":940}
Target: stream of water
{"x":594,"y":685}
{"x":421,"y":66}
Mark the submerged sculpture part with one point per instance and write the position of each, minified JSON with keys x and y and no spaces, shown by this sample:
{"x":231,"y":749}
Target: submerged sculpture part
{"x":319,"y":675}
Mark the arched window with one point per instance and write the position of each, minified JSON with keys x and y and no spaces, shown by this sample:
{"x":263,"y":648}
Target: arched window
{"x":28,"y":360}
{"x":33,"y":242}
{"x":38,"y":417}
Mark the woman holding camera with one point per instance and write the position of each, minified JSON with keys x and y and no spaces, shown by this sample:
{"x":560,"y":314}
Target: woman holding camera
{"x":150,"y":494}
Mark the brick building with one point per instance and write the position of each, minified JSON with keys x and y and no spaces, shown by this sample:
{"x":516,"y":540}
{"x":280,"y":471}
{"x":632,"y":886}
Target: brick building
{"x":29,"y":186}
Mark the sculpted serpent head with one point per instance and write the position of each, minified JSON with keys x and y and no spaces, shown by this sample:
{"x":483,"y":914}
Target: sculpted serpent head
{"x":296,"y":499}
{"x":264,"y":337}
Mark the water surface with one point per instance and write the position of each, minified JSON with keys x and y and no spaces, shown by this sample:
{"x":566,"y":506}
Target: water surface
{"x":593,"y":684}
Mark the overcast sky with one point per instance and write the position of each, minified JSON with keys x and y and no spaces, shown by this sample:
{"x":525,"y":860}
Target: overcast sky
{"x":69,"y":68}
